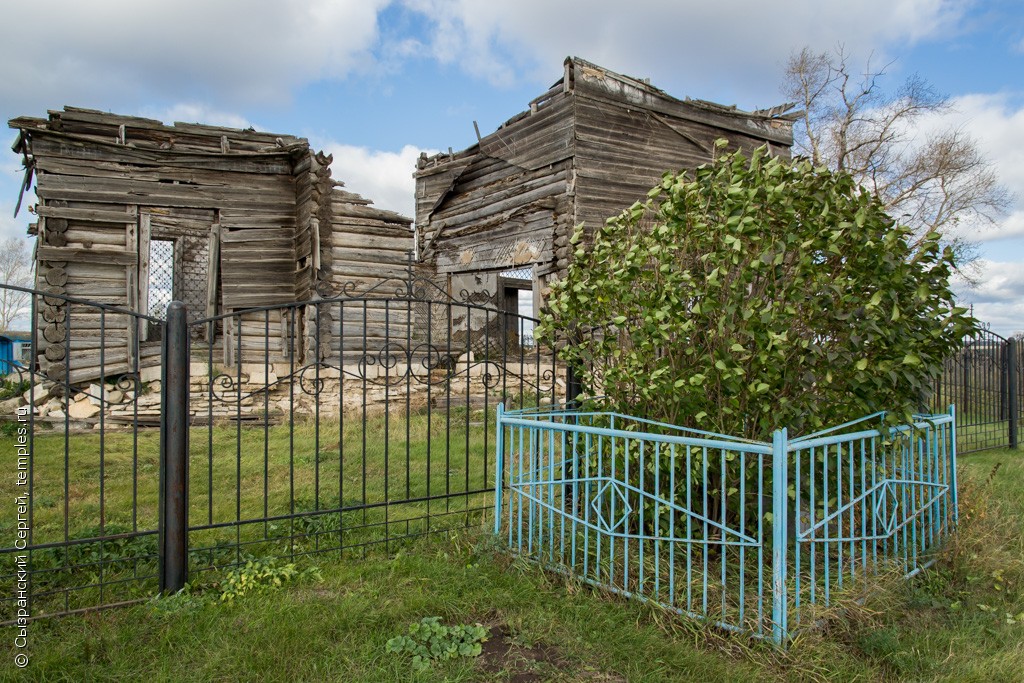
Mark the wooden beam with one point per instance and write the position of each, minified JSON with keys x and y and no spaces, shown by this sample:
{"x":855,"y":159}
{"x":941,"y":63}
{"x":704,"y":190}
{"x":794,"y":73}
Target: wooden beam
{"x":212,"y":271}
{"x":119,"y":257}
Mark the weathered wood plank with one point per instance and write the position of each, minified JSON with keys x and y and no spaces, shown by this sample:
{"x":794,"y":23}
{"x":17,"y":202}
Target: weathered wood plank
{"x":58,"y":145}
{"x":85,"y":215}
{"x":120,"y":257}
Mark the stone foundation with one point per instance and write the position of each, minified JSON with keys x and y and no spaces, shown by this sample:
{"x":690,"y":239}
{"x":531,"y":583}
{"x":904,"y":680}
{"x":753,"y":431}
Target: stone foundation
{"x":276,"y":391}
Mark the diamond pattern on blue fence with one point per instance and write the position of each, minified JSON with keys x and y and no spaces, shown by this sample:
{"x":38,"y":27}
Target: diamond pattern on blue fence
{"x":604,"y":506}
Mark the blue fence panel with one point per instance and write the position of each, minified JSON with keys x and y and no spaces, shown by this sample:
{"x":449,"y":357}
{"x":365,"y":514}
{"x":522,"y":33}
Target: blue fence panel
{"x":739,"y":533}
{"x":673,"y":516}
{"x":866,"y":501}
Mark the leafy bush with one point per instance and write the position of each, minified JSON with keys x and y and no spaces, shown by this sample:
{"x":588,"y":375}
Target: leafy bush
{"x":259,"y":576}
{"x":753,"y":293}
{"x":10,"y":388}
{"x":429,"y":640}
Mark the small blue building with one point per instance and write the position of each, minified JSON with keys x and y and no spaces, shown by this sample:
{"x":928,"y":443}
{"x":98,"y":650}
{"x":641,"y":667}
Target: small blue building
{"x":14,"y":347}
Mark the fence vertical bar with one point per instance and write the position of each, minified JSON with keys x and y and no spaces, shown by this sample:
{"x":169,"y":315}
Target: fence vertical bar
{"x":499,"y":466}
{"x":174,"y":452}
{"x":952,"y":465}
{"x":1012,"y":389}
{"x":780,"y":484}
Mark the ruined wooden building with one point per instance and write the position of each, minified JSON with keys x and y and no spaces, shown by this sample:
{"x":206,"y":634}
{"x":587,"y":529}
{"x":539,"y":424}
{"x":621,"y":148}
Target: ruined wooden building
{"x":586,"y":149}
{"x":134,"y":213}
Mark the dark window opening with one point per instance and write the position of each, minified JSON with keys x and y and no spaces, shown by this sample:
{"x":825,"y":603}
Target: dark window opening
{"x":516,"y":294}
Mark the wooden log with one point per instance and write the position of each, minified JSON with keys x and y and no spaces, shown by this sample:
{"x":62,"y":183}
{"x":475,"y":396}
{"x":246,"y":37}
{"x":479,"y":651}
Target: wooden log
{"x":56,"y":239}
{"x":54,"y":314}
{"x":213,"y":270}
{"x":55,"y":352}
{"x":53,"y":300}
{"x":57,"y":277}
{"x":119,"y":257}
{"x":110,"y":356}
{"x":88,"y":215}
{"x":56,"y":371}
{"x":54,"y":333}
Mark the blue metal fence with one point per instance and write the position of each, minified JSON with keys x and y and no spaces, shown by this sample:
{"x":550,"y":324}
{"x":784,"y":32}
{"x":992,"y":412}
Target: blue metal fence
{"x":741,"y":533}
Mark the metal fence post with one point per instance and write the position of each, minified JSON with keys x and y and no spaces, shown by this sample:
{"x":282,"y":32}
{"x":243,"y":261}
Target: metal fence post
{"x":1012,"y":389}
{"x":780,"y":535}
{"x":573,"y":385}
{"x":952,"y":465}
{"x":174,"y":451}
{"x":499,"y":468}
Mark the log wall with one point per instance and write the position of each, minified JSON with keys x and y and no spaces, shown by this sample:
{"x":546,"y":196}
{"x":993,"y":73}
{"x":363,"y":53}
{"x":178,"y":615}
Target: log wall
{"x":369,"y":251}
{"x":588,"y":148}
{"x":250,"y":215}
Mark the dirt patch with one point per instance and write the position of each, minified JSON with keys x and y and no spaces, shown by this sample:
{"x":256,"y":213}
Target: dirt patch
{"x":507,"y":659}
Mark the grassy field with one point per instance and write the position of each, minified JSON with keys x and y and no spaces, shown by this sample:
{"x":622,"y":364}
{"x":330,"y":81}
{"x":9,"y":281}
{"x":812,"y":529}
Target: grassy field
{"x":963,"y":620}
{"x":251,"y":472}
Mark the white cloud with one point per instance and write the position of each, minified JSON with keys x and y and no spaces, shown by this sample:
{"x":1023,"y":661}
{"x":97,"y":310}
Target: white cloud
{"x":193,"y":112}
{"x":996,"y":123}
{"x":1009,"y":228}
{"x":11,"y":226}
{"x":108,"y":52}
{"x":383,"y":177}
{"x":686,"y":47}
{"x":998,"y":297}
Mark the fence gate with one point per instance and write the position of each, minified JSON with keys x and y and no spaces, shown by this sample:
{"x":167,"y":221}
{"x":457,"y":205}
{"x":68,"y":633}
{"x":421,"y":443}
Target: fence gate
{"x":644,"y":509}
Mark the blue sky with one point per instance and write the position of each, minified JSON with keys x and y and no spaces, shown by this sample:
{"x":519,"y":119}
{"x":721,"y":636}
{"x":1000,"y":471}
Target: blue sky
{"x":375,"y":81}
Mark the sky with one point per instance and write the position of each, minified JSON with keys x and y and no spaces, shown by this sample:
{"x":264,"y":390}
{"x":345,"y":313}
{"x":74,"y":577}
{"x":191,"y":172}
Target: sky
{"x":375,"y":82}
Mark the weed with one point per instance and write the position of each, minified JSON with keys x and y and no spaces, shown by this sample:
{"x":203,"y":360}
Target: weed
{"x":261,"y":575}
{"x":430,"y":641}
{"x":10,"y":388}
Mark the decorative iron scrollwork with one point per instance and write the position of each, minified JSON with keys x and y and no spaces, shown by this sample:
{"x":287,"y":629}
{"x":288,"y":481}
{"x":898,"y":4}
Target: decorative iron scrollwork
{"x":478,"y":298}
{"x":416,"y":288}
{"x":311,"y":378}
{"x":220,"y":386}
{"x":125,"y":390}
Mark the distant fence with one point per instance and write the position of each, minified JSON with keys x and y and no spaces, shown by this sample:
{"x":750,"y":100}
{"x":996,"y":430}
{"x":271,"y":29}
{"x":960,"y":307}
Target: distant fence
{"x":746,"y":535}
{"x":985,"y":381}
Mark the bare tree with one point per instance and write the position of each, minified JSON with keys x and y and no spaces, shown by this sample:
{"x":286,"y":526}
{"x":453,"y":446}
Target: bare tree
{"x":929,"y":181}
{"x":15,"y":269}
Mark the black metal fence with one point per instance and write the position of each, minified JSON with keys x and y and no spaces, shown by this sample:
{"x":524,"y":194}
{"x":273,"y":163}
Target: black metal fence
{"x":985,"y":381}
{"x":329,"y":426}
{"x":80,"y":485}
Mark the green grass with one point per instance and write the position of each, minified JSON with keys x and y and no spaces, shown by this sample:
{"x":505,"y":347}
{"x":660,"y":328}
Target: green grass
{"x":948,"y":624}
{"x":228,"y":468}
